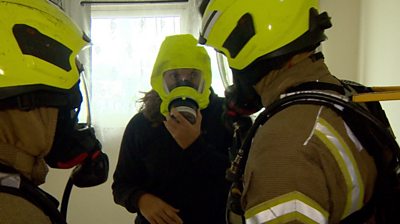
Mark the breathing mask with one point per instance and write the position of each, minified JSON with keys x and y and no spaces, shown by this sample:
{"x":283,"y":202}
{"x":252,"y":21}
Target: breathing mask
{"x":182,"y":76}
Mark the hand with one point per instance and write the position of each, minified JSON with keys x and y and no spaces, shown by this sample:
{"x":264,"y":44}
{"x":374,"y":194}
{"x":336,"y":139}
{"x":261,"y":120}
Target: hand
{"x":156,"y":211}
{"x":181,"y":129}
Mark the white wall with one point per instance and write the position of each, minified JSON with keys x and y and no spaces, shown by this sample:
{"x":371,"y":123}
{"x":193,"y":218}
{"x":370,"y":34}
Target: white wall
{"x":362,"y":46}
{"x":341,"y":49}
{"x":379,"y":48}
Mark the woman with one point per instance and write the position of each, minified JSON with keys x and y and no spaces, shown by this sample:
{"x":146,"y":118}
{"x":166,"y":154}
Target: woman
{"x":171,"y":167}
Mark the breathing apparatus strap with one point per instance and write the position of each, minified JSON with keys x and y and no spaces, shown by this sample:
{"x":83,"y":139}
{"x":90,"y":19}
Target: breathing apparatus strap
{"x":27,"y":190}
{"x":29,"y":101}
{"x":40,"y":96}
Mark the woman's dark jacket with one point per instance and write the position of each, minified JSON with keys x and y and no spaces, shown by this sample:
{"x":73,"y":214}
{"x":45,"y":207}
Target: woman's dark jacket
{"x":191,"y":180}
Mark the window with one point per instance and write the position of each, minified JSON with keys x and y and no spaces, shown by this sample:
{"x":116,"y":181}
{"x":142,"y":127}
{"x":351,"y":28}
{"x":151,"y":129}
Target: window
{"x":125,"y":45}
{"x":125,"y":41}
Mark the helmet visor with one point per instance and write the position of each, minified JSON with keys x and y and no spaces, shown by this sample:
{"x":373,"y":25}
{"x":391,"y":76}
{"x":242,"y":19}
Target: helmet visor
{"x":188,"y":77}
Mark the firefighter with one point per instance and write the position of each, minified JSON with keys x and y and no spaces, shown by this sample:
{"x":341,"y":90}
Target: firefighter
{"x":305,"y":165}
{"x":40,"y":100}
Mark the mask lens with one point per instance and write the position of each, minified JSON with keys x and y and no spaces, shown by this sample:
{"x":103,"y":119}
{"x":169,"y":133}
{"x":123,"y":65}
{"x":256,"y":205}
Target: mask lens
{"x":183,"y":77}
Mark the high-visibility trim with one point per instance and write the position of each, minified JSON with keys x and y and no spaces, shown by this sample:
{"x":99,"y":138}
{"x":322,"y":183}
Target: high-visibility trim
{"x":376,"y":96}
{"x":347,"y":164}
{"x":211,"y":19}
{"x":353,"y":138}
{"x":315,"y":124}
{"x":291,"y":206}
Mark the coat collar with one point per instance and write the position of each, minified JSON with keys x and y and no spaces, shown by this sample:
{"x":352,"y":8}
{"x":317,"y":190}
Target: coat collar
{"x":277,"y":82}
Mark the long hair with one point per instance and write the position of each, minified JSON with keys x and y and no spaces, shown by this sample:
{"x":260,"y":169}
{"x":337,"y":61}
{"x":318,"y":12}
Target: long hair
{"x":150,"y":108}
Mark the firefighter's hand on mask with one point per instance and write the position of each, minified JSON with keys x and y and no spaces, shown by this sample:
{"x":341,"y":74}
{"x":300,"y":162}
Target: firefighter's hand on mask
{"x":157,"y":211}
{"x":181,"y":129}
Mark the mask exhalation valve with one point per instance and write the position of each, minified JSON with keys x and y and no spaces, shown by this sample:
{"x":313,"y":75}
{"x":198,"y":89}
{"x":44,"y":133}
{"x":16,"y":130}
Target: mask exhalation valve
{"x":187,"y":107}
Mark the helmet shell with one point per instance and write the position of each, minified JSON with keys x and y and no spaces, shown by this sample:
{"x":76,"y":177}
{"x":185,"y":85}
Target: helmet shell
{"x":247,"y":30}
{"x":177,"y":52}
{"x":38,"y":47}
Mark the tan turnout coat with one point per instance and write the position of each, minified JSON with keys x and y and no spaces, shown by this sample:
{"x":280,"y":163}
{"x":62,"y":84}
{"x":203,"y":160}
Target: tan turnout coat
{"x":305,"y":165}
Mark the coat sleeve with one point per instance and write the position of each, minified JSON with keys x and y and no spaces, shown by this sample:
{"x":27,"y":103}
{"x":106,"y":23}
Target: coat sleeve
{"x":130,"y":173}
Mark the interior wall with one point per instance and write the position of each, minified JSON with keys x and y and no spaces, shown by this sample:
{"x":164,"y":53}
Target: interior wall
{"x":380,"y":35}
{"x":341,"y":49}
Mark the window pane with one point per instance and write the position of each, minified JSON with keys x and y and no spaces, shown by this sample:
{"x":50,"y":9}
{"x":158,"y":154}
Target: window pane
{"x":123,"y":54}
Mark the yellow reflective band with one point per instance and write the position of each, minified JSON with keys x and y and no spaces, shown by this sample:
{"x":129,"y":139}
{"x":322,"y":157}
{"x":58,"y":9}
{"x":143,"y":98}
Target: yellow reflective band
{"x":209,"y":24}
{"x":346,"y":162}
{"x":376,"y":96}
{"x":288,"y":207}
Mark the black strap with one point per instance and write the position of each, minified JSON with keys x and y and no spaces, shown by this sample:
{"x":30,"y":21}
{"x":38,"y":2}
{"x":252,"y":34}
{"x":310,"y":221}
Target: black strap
{"x":34,"y":100}
{"x":317,"y":86}
{"x":33,"y":96}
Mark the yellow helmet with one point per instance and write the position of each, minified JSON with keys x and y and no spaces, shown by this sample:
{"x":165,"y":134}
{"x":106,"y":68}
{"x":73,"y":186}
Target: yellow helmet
{"x":247,"y":31}
{"x":38,"y":47}
{"x":182,"y":52}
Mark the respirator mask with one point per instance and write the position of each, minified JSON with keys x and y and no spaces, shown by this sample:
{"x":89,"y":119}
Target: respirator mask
{"x":241,"y":99}
{"x":182,"y":76}
{"x":76,"y":145}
